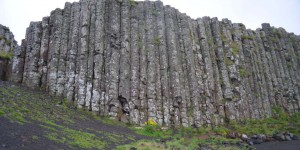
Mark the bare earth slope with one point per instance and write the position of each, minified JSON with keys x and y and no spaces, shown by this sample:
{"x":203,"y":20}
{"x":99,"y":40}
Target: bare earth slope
{"x":31,"y":119}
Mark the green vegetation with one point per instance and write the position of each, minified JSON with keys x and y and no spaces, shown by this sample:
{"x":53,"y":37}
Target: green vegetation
{"x":228,"y":62}
{"x":1,"y":112}
{"x":246,"y":37}
{"x":183,"y":143}
{"x":57,"y":117}
{"x":152,"y":131}
{"x":133,"y":2}
{"x":6,"y":55}
{"x":244,"y":72}
{"x":7,"y":42}
{"x":156,"y":41}
{"x":210,"y":42}
{"x":72,"y":138}
{"x":276,"y":32}
{"x":235,"y":48}
{"x":289,"y":65}
{"x":223,"y":37}
{"x":273,"y":39}
{"x":279,"y":122}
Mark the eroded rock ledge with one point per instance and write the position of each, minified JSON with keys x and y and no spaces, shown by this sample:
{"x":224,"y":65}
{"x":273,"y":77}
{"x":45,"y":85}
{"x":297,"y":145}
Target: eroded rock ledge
{"x":139,"y":60}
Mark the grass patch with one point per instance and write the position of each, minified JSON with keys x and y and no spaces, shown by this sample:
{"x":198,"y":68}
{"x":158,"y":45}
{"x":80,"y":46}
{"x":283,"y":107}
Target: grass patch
{"x":279,"y":122}
{"x":6,"y":55}
{"x":228,"y":62}
{"x":133,"y":2}
{"x":156,"y":41}
{"x":73,"y":138}
{"x":244,"y":72}
{"x":289,"y":65}
{"x":235,"y":48}
{"x":1,"y":112}
{"x":152,"y":131}
{"x":184,"y":143}
{"x":246,"y":37}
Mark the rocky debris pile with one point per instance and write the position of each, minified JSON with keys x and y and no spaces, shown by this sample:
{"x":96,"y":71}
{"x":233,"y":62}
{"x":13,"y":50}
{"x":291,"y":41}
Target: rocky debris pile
{"x":8,"y":46}
{"x":136,"y":61}
{"x":260,"y":138}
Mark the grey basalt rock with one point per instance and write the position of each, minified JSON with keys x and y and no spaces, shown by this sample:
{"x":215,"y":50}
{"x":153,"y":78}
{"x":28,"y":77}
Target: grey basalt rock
{"x":140,"y":60}
{"x":10,"y":53}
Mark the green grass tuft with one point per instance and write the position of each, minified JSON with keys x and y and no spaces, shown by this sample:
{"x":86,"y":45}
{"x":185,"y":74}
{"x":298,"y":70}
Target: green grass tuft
{"x":6,"y":55}
{"x":1,"y":112}
{"x":73,"y":138}
{"x":235,"y":49}
{"x":246,"y":37}
{"x":152,"y":131}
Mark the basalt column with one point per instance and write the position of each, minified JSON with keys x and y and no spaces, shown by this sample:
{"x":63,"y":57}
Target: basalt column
{"x":136,"y":61}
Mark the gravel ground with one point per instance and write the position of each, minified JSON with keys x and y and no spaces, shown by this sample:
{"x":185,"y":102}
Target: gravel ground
{"x":286,"y":145}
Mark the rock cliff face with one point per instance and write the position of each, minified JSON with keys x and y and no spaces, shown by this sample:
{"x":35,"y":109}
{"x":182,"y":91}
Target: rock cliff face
{"x":139,"y":60}
{"x":7,"y":48}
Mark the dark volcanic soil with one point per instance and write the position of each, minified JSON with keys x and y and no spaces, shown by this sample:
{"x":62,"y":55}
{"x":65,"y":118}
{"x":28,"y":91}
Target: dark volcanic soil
{"x":31,"y":119}
{"x":287,"y":145}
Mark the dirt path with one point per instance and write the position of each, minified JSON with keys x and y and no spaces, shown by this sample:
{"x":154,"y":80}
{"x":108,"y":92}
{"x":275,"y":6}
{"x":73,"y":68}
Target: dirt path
{"x":31,"y":119}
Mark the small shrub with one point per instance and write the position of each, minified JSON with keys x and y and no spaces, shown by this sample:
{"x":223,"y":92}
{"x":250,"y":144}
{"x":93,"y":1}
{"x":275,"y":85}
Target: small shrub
{"x":221,"y":130}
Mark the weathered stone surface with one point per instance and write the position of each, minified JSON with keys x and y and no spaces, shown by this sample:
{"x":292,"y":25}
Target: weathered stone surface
{"x":8,"y":49}
{"x":135,"y":61}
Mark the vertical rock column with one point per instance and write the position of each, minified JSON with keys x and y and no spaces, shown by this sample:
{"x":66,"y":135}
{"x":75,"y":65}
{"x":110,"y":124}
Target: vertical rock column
{"x":143,"y":62}
{"x":135,"y":44}
{"x":18,"y":63}
{"x":90,"y":103}
{"x":44,"y":52}
{"x":163,"y":61}
{"x":72,"y":52}
{"x":217,"y":93}
{"x":98,"y":95}
{"x":113,"y":49}
{"x":83,"y":53}
{"x":9,"y":49}
{"x":150,"y":52}
{"x":62,"y":58}
{"x":55,"y":23}
{"x":208,"y":75}
{"x":32,"y":78}
{"x":125,"y":64}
